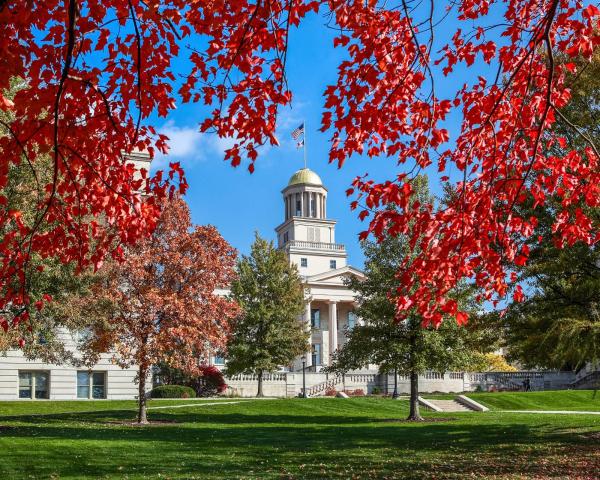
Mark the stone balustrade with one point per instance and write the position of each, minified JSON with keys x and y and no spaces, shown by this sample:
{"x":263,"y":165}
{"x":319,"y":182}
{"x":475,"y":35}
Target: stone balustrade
{"x":316,"y":245}
{"x":289,"y":384}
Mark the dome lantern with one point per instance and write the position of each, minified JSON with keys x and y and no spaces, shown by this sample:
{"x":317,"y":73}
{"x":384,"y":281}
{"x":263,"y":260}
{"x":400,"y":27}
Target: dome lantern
{"x":305,"y":196}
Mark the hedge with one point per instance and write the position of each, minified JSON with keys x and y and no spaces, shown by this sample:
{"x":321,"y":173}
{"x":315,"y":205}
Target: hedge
{"x":172,"y":391}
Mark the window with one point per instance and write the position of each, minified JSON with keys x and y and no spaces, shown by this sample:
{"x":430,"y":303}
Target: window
{"x":315,"y":318}
{"x":313,"y":205}
{"x":304,"y":262}
{"x":316,"y":354}
{"x":219,"y":359}
{"x":286,"y":237}
{"x":298,"y":206}
{"x":351,"y":320}
{"x":314,"y":234}
{"x":34,"y":384}
{"x":91,"y":384}
{"x":332,"y":264}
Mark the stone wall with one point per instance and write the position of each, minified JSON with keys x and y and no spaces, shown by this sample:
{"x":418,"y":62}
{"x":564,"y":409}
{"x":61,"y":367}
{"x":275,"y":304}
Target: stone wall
{"x":290,"y":384}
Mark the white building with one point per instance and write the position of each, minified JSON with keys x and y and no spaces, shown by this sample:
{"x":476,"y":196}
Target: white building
{"x":21,"y":378}
{"x":308,"y":238}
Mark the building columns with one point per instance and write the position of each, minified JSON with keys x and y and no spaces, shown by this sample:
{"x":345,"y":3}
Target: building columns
{"x":333,"y":329}
{"x":307,"y":319}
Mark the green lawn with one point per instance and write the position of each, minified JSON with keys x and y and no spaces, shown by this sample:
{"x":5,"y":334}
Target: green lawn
{"x":293,"y":438}
{"x":583,"y":400}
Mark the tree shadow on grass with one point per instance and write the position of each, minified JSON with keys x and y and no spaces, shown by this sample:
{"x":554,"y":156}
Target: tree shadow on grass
{"x":269,"y":446}
{"x":200,"y":417}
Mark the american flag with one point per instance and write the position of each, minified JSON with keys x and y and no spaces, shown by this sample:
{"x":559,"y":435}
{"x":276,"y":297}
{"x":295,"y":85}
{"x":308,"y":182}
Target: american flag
{"x":296,"y":133}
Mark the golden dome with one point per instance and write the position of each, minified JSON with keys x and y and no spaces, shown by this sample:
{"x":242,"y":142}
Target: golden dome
{"x":305,"y":175}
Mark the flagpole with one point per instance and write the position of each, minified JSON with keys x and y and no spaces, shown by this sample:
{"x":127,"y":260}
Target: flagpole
{"x":304,"y":135}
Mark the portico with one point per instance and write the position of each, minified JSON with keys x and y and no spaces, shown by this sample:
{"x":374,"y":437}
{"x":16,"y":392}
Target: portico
{"x":329,"y":321}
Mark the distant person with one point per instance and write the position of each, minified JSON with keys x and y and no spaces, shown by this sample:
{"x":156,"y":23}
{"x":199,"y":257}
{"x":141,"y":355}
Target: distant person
{"x":527,"y":385}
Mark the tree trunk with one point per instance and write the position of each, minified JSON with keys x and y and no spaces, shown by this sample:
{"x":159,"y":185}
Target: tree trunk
{"x":142,"y":418}
{"x":260,"y":384}
{"x":414,"y":414}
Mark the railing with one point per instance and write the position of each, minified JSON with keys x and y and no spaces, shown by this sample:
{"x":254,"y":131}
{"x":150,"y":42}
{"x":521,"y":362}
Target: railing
{"x":323,"y":386}
{"x":433,"y":376}
{"x":516,"y":375}
{"x":361,"y":377}
{"x":267,"y":377}
{"x":591,"y":377}
{"x":316,"y":245}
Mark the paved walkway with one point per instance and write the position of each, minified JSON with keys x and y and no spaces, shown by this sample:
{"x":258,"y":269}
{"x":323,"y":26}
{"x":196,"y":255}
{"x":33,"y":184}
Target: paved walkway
{"x":551,"y":412}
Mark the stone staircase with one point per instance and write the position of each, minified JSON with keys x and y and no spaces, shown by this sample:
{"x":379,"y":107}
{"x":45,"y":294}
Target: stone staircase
{"x":449,"y":405}
{"x":458,"y":404}
{"x":320,"y":388}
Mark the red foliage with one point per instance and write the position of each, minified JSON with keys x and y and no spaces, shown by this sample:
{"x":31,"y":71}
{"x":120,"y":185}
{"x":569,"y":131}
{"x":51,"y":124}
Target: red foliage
{"x":164,"y":293}
{"x":359,"y":392}
{"x":212,"y":381}
{"x":96,"y":71}
{"x":331,"y":392}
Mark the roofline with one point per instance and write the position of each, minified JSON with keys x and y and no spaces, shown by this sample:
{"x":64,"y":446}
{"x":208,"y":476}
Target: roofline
{"x":325,"y":221}
{"x":304,"y":184}
{"x":338,"y":271}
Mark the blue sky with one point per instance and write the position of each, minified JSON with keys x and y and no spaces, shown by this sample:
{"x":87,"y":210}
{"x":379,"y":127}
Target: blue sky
{"x":239,"y":203}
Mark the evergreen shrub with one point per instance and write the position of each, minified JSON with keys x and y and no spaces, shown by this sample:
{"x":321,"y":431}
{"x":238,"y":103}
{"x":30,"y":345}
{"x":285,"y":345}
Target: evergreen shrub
{"x":172,"y":391}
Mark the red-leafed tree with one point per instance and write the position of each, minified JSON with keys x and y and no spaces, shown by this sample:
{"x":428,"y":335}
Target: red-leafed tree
{"x":164,"y":301}
{"x":96,"y":70}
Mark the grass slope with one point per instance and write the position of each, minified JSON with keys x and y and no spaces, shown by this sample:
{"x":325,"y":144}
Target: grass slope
{"x":292,"y":438}
{"x":583,"y":400}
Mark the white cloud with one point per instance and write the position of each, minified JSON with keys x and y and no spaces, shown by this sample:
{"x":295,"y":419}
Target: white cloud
{"x":185,"y":145}
{"x":217,"y":144}
{"x":189,"y":146}
{"x":184,"y":142}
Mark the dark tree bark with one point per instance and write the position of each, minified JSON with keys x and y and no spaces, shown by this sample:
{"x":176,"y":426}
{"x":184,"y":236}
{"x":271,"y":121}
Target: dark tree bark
{"x":260,"y":384}
{"x":414,"y":414}
{"x":142,"y":417}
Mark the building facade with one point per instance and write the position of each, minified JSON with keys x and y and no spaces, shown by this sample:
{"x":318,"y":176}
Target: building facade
{"x":307,"y":236}
{"x":24,"y":379}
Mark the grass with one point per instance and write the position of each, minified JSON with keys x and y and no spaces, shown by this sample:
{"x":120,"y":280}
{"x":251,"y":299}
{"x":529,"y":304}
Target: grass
{"x":291,"y":438}
{"x":567,"y":400}
{"x":582,"y":400}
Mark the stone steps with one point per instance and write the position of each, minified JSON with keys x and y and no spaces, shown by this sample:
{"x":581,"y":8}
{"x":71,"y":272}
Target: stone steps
{"x":449,"y":405}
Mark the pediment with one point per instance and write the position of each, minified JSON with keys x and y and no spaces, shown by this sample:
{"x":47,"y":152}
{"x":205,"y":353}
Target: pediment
{"x":335,"y":276}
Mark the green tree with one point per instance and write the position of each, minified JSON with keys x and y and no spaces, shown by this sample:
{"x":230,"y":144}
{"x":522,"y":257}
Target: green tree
{"x":268,"y":333}
{"x":404,"y":347}
{"x":558,"y":324}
